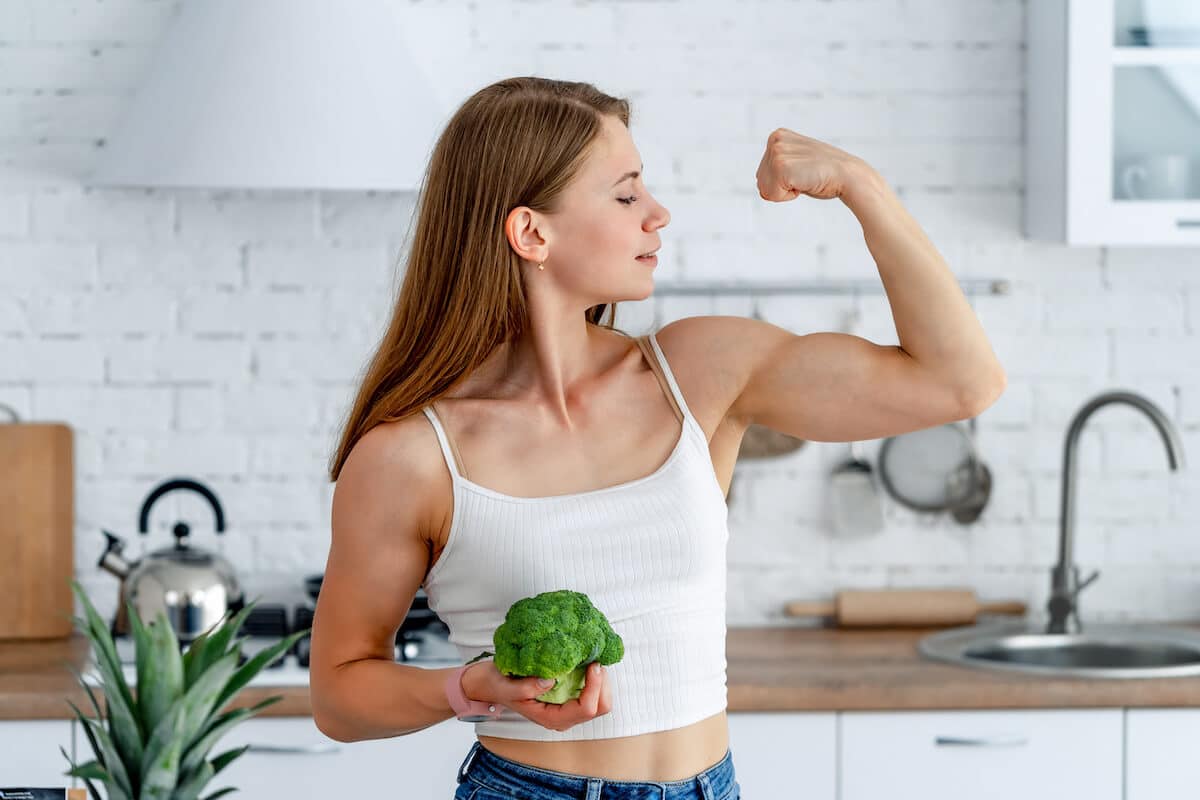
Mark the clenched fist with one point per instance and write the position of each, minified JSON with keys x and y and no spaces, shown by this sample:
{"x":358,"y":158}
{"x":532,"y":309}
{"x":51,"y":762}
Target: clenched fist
{"x":794,"y":165}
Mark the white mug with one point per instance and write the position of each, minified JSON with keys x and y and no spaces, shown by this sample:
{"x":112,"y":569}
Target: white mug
{"x":1158,"y":177}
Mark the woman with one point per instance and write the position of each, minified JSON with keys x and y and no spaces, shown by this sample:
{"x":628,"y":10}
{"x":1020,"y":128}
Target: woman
{"x":597,"y":462}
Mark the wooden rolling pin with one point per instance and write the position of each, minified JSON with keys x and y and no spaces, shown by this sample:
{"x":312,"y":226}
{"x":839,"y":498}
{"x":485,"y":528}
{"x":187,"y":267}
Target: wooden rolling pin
{"x":916,"y":608}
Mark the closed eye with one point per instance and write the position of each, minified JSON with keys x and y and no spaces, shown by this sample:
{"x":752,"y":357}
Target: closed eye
{"x":627,"y":200}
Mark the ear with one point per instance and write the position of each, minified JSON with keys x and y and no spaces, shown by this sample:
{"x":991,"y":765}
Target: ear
{"x":521,"y":228}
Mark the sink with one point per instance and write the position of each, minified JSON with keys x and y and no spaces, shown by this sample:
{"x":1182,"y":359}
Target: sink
{"x":1101,"y":650}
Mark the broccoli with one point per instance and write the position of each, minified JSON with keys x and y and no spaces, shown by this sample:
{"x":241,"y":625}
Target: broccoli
{"x":555,"y":635}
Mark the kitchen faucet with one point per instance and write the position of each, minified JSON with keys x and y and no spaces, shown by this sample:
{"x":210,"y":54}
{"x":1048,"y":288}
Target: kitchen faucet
{"x":1064,"y":576}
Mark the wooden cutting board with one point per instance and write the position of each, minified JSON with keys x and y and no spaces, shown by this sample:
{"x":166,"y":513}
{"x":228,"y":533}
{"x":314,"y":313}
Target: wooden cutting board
{"x":37,"y":521}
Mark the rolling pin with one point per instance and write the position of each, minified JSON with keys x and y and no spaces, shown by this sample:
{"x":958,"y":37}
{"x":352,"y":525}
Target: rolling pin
{"x":916,"y":608}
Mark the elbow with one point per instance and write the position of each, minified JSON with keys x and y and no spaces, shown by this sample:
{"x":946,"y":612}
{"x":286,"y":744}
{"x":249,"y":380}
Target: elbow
{"x":979,"y":397}
{"x":330,"y":731}
{"x":324,"y":715}
{"x":326,"y":724}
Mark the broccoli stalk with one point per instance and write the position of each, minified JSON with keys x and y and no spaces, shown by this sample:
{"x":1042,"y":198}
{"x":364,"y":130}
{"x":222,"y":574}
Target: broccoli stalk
{"x":554,"y":635}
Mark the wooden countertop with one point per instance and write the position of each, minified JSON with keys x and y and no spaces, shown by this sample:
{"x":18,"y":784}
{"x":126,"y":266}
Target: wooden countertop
{"x":769,"y":669}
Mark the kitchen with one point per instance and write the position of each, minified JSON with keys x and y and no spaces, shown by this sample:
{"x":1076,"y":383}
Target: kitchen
{"x":197,"y":325}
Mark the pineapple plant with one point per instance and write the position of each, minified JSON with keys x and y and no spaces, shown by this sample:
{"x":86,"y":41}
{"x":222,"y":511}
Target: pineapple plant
{"x":155,"y":745}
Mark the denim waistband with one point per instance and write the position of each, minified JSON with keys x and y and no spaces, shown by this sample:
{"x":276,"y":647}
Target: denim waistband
{"x":500,"y":774}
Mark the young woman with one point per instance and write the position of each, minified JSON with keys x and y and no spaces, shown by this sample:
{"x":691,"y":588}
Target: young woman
{"x":507,"y":440}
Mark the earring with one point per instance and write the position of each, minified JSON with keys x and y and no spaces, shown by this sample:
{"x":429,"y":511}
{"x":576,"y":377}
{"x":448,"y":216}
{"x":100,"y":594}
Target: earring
{"x":541,"y":267}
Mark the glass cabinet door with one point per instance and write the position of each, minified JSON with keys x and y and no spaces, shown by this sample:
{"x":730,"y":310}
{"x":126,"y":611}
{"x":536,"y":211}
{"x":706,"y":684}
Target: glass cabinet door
{"x":1155,"y":101}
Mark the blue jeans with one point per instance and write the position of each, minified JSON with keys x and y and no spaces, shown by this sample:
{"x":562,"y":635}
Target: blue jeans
{"x":487,"y":776}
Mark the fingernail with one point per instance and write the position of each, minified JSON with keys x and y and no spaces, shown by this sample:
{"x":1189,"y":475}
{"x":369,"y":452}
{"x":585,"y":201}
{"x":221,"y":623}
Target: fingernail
{"x":545,"y":683}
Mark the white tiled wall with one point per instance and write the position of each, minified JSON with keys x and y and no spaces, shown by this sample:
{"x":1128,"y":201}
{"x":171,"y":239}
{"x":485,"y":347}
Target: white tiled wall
{"x":219,"y":334}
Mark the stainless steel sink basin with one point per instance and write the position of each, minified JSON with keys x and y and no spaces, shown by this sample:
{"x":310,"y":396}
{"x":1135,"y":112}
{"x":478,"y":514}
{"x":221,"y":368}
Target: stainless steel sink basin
{"x":1101,"y":650}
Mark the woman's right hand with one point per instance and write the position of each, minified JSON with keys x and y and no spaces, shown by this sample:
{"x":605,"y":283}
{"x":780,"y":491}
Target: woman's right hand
{"x":483,"y":681}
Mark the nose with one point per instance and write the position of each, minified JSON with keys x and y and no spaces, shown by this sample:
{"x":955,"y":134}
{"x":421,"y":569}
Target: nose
{"x":661,"y":217}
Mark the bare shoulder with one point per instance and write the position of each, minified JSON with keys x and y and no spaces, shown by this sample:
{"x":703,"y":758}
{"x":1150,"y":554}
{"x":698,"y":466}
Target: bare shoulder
{"x":396,"y":468}
{"x":712,"y":358}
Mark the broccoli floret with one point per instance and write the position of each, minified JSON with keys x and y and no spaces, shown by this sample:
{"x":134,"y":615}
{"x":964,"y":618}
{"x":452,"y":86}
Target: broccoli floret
{"x":555,"y":635}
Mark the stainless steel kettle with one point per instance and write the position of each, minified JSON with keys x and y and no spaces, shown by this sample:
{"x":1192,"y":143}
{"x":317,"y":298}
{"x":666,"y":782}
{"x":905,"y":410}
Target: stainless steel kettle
{"x":194,"y":587}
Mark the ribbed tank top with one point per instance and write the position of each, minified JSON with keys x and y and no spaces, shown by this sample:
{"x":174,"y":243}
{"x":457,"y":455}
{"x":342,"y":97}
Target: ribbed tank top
{"x":649,"y":552}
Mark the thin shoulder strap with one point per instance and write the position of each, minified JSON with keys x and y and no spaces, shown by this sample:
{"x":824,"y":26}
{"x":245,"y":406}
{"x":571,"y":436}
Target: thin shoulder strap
{"x":643,"y":344}
{"x":449,"y":452}
{"x":666,"y":368}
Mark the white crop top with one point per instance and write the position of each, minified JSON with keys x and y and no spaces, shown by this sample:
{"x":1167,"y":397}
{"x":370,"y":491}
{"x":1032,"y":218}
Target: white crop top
{"x":651,"y":555}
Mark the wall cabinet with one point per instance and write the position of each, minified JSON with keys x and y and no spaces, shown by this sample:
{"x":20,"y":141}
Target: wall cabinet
{"x":1113,"y":122}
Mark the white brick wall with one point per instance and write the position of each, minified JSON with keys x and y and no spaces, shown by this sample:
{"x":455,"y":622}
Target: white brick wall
{"x":219,"y":334}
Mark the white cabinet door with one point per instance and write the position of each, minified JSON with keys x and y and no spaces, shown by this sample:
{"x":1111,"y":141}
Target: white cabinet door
{"x":784,"y":755}
{"x":949,"y":755}
{"x":29,"y":754}
{"x":1160,"y":753}
{"x":290,"y":758}
{"x":1111,"y":101}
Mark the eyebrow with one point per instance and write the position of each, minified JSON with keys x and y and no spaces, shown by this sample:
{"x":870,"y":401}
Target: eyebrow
{"x":629,"y":175}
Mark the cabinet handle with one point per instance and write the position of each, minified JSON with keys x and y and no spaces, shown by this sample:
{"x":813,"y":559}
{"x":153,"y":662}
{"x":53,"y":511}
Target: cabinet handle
{"x":981,"y":741}
{"x":300,"y":749}
{"x":1187,"y":223}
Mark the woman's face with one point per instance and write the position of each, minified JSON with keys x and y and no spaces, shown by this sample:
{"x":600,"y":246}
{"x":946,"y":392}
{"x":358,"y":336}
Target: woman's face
{"x":606,"y":220}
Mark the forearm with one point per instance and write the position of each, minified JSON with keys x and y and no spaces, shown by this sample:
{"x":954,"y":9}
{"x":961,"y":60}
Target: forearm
{"x":377,"y":699}
{"x":935,"y":323}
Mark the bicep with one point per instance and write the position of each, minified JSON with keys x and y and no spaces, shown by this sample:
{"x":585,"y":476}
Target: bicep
{"x":837,"y":387}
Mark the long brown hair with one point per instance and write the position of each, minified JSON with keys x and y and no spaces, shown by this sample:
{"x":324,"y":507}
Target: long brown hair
{"x":517,"y":142}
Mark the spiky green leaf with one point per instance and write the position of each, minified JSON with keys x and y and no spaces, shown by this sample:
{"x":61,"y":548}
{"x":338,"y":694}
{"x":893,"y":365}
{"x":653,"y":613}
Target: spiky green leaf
{"x":189,"y":714}
{"x":211,"y":644}
{"x":198,"y":750}
{"x":191,"y":785}
{"x":160,"y":763}
{"x":119,"y":775}
{"x":86,"y":687}
{"x":89,"y":769}
{"x":220,"y":793}
{"x":91,"y":787}
{"x":228,"y":757}
{"x":194,"y":658}
{"x":200,"y":702}
{"x":255,"y":664}
{"x":122,"y":719}
{"x":159,"y":668}
{"x":96,"y":750}
{"x":222,"y":636}
{"x":104,"y":648}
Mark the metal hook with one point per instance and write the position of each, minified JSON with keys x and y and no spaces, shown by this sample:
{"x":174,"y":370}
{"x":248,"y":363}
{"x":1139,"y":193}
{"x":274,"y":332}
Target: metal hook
{"x":755,"y":312}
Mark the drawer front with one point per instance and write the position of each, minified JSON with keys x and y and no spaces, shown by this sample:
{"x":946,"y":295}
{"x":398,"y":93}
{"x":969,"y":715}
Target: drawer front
{"x":1160,"y":755}
{"x":29,"y":754}
{"x":782,"y":755}
{"x":949,"y":755}
{"x":289,"y":757}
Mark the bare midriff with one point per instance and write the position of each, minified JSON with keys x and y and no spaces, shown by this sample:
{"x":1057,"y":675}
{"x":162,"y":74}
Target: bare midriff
{"x":660,"y":756}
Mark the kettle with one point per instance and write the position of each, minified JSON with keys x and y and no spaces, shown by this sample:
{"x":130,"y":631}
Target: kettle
{"x":193,"y":587}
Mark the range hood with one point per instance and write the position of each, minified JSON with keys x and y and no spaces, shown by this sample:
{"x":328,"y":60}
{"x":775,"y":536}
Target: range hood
{"x":277,"y":94}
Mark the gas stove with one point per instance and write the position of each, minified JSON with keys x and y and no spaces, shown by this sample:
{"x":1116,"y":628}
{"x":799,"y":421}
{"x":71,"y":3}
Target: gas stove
{"x":423,"y":644}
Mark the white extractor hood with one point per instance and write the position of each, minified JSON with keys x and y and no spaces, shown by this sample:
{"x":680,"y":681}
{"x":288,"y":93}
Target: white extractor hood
{"x":278,"y":94}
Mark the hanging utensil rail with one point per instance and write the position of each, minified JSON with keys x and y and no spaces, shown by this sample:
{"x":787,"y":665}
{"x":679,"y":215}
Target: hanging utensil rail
{"x":875,"y":286}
